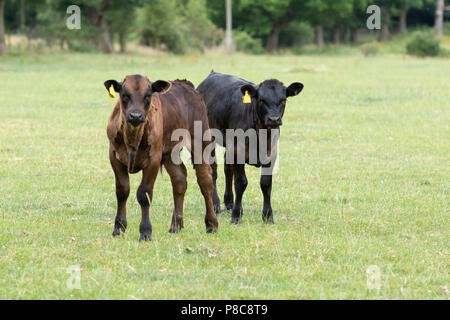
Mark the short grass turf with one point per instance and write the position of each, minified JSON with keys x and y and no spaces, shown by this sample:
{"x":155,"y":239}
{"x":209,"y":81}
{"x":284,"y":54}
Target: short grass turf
{"x":363,"y":181}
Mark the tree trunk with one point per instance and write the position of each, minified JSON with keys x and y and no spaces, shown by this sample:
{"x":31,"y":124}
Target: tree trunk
{"x":355,"y":36}
{"x":122,"y":42}
{"x":22,"y":15}
{"x":105,"y":43}
{"x":346,"y":34}
{"x":272,"y":40}
{"x":277,"y":27}
{"x":96,"y":16}
{"x":2,"y":28}
{"x":318,"y":34}
{"x":337,"y":35}
{"x":402,"y":23}
{"x":229,"y":28}
{"x":439,"y":19}
{"x":386,"y":21}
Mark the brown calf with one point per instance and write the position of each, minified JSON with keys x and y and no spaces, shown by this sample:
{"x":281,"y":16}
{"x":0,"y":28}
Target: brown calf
{"x":139,"y":131}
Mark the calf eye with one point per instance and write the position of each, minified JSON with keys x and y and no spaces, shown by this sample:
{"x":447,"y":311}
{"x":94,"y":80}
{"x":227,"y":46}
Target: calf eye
{"x":147,"y":100}
{"x":125,"y":100}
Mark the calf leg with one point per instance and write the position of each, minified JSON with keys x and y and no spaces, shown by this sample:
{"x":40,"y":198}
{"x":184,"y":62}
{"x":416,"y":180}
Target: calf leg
{"x":204,"y":179}
{"x":240,"y":184}
{"x":266,"y":188}
{"x":146,"y":188}
{"x":177,"y":175}
{"x":216,"y":199}
{"x":228,"y":196}
{"x":122,"y":193}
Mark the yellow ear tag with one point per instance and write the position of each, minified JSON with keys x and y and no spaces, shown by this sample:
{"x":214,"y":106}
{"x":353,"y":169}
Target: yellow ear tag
{"x":246,"y":98}
{"x":112,"y":92}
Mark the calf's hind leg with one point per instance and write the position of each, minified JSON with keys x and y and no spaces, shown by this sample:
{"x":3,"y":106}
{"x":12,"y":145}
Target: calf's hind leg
{"x":240,"y":184}
{"x":177,"y":175}
{"x":122,"y":193}
{"x":204,"y":180}
{"x":216,"y":199}
{"x":228,"y":196}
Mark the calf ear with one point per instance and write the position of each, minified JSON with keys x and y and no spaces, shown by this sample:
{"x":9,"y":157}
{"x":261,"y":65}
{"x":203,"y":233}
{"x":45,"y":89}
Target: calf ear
{"x":161,"y":86}
{"x":294,"y":89}
{"x":252,"y":91}
{"x":116,"y":85}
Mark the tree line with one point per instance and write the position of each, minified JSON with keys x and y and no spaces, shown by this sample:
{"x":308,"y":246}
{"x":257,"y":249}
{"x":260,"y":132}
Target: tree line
{"x":184,"y":25}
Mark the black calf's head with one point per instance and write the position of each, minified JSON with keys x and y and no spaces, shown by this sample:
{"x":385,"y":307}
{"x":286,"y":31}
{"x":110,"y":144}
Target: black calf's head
{"x":135,"y":96}
{"x":270,"y":98}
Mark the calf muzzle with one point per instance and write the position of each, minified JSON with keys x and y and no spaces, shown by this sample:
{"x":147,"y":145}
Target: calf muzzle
{"x":135,"y":118}
{"x":273,"y":122}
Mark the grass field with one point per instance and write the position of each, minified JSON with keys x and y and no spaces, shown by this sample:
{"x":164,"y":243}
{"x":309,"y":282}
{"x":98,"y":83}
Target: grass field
{"x":363,"y":181}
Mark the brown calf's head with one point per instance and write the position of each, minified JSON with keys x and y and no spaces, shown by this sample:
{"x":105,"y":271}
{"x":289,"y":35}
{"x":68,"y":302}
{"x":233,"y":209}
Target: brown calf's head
{"x":135,"y":96}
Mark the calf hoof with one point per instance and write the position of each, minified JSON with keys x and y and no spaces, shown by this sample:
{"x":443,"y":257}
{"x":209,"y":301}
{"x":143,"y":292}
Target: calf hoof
{"x":268,"y":220}
{"x":228,"y":200}
{"x":216,"y":203}
{"x":236,"y":215}
{"x":212,"y":225}
{"x":119,"y":225}
{"x":268,"y":217}
{"x":174,"y":229}
{"x":177,"y":223}
{"x":235,"y":220}
{"x":211,"y":229}
{"x":145,"y":228}
{"x":145,"y":237}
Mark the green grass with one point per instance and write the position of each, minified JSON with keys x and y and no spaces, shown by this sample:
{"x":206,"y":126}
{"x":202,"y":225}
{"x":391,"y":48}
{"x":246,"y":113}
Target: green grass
{"x":363,"y":180}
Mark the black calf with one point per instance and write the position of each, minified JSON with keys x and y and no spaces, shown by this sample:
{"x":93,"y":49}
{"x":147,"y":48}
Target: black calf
{"x":223,"y":95}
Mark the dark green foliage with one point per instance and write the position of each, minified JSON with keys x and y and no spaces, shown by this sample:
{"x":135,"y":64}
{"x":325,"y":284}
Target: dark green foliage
{"x":245,"y":43}
{"x":297,"y":35}
{"x":182,"y":26}
{"x":423,"y":44}
{"x":178,"y":26}
{"x":447,"y":28}
{"x":370,"y":49}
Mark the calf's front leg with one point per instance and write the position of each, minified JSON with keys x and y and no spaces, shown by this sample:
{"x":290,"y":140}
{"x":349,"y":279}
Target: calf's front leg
{"x":122,"y":193}
{"x":145,"y":196}
{"x":266,"y":188}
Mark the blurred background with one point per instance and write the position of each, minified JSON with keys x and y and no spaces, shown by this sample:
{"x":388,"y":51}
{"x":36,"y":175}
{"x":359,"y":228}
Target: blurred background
{"x":417,"y":27}
{"x":363,"y":177}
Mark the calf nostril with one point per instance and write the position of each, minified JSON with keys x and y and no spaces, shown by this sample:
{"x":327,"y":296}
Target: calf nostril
{"x":136,"y":115}
{"x":274,"y":119}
